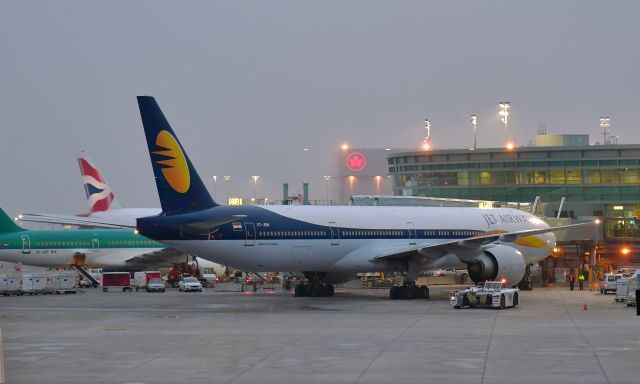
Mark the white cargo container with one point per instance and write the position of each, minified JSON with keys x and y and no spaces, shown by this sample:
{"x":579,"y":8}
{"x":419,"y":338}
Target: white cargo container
{"x":63,"y":282}
{"x":9,"y":285}
{"x":34,"y":283}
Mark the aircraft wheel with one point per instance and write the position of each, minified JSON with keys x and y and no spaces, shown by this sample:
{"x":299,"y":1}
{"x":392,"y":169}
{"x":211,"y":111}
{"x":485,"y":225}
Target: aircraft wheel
{"x":424,"y":292}
{"x":407,"y":293}
{"x":299,"y":290}
{"x":329,"y":290}
{"x":394,"y":292}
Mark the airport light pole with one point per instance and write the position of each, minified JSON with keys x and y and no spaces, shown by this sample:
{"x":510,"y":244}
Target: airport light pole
{"x":215,"y":184}
{"x":327,"y":178}
{"x":227,"y":179}
{"x":504,"y":112}
{"x":255,"y":186}
{"x":426,"y":144}
{"x":474,"y":122}
{"x":604,"y":124}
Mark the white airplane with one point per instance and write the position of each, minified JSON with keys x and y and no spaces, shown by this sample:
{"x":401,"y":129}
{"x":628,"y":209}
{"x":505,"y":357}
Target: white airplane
{"x":105,"y":211}
{"x":331,"y":244}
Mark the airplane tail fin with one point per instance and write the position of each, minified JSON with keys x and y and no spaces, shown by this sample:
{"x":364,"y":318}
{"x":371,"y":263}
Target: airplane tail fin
{"x":179,"y":186}
{"x":99,"y":194}
{"x":7,"y":224}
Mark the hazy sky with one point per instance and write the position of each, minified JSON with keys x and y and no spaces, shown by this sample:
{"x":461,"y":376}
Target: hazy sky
{"x":247,"y":85}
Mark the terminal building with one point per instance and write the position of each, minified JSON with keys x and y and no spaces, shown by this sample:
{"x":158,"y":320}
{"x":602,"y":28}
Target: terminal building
{"x":570,"y":179}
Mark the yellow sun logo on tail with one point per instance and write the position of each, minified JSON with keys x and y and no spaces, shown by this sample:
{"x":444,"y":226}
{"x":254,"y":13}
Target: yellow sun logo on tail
{"x":175,"y":168}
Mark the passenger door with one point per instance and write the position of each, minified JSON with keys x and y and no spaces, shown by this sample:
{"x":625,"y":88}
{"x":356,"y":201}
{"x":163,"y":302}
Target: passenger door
{"x":412,"y":233}
{"x":95,"y":245}
{"x":26,"y":244}
{"x":250,"y":234}
{"x":335,"y":234}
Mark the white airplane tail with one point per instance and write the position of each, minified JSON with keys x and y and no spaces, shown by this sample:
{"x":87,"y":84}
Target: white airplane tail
{"x":99,"y":194}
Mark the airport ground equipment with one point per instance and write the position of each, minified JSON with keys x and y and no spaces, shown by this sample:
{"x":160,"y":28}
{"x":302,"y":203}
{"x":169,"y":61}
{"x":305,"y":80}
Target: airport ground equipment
{"x":9,"y":285}
{"x":622,"y":290}
{"x":117,"y":281}
{"x":34,"y":283}
{"x":632,"y":296}
{"x":88,"y":276}
{"x":63,"y":282}
{"x":141,"y":279}
{"x":490,"y":294}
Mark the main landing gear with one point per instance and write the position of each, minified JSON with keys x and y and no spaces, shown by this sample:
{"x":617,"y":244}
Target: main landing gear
{"x":314,"y":287}
{"x":311,"y":289}
{"x":408,"y":291}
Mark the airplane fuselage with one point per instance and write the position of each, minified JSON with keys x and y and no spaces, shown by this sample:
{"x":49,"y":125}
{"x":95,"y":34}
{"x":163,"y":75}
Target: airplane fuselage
{"x":58,"y":248}
{"x":338,"y":239}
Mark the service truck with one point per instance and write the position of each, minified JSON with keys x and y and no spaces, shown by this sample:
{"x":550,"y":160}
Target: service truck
{"x":119,"y":281}
{"x":488,"y":294}
{"x":141,"y":279}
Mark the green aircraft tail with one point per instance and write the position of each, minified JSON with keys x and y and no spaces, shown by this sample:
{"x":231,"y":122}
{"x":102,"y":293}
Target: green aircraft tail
{"x":7,"y":225}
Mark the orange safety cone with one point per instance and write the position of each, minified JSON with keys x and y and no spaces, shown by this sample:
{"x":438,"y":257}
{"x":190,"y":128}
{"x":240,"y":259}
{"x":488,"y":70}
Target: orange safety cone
{"x":586,"y":307}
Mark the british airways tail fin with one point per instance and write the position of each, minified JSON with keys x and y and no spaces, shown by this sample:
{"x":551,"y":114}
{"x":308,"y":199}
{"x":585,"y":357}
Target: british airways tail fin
{"x":179,"y":186}
{"x":99,"y":194}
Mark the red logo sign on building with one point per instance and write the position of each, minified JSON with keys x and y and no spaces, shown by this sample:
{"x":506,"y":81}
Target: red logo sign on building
{"x":356,"y":162}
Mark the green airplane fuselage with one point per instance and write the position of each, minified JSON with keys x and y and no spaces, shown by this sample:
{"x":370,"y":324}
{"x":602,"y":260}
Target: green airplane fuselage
{"x":55,"y":248}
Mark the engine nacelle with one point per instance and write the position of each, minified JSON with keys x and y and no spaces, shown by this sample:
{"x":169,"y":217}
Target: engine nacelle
{"x":497,"y":263}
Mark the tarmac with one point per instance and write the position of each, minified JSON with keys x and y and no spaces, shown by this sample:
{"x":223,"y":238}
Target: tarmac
{"x":357,"y":336}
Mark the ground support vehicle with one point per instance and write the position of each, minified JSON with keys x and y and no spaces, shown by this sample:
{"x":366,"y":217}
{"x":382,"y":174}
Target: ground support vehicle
{"x":10,"y":285}
{"x":34,"y":283}
{"x":63,"y":282}
{"x":118,"y":281}
{"x":188,"y":284}
{"x":608,"y":282}
{"x":155,"y":285}
{"x":490,"y":294}
{"x":141,"y":279}
{"x":622,"y":290}
{"x":634,"y":280}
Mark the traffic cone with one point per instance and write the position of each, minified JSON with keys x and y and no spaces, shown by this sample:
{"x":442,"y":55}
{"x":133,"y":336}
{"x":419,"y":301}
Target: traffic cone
{"x":586,"y":307}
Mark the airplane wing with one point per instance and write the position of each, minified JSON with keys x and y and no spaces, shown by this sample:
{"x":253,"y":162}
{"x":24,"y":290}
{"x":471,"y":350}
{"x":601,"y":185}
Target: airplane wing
{"x":79,"y":221}
{"x":433,"y":251}
{"x":204,"y":227}
{"x":162,"y":258}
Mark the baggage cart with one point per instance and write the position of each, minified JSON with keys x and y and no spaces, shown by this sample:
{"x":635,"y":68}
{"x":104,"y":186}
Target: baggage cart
{"x":119,"y":281}
{"x":64,"y":282}
{"x":34,"y":283}
{"x":10,"y":285}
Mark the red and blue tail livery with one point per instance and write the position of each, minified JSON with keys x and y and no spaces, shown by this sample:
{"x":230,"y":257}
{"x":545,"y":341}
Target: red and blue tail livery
{"x":99,"y":194}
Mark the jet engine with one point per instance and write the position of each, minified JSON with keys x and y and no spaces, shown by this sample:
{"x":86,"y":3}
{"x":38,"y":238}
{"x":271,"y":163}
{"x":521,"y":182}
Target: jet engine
{"x":497,"y":262}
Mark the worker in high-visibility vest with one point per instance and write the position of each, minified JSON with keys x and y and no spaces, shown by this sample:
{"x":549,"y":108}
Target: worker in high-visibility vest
{"x":581,"y":280}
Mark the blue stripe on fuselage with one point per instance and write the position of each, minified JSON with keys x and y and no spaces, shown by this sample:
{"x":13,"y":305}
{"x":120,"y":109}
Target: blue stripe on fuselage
{"x":272,"y":226}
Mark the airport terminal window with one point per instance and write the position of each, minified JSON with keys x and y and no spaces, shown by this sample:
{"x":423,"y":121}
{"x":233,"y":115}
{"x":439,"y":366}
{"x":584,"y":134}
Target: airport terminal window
{"x":609,"y":176}
{"x":574,"y":176}
{"x":525,"y":177}
{"x":556,"y":176}
{"x":463,"y":178}
{"x":485,"y":178}
{"x":628,"y":176}
{"x":592,"y":176}
{"x":540,"y":177}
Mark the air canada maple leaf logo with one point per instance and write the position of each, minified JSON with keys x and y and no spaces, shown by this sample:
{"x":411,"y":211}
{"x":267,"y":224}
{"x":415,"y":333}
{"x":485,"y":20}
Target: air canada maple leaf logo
{"x":356,"y":162}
